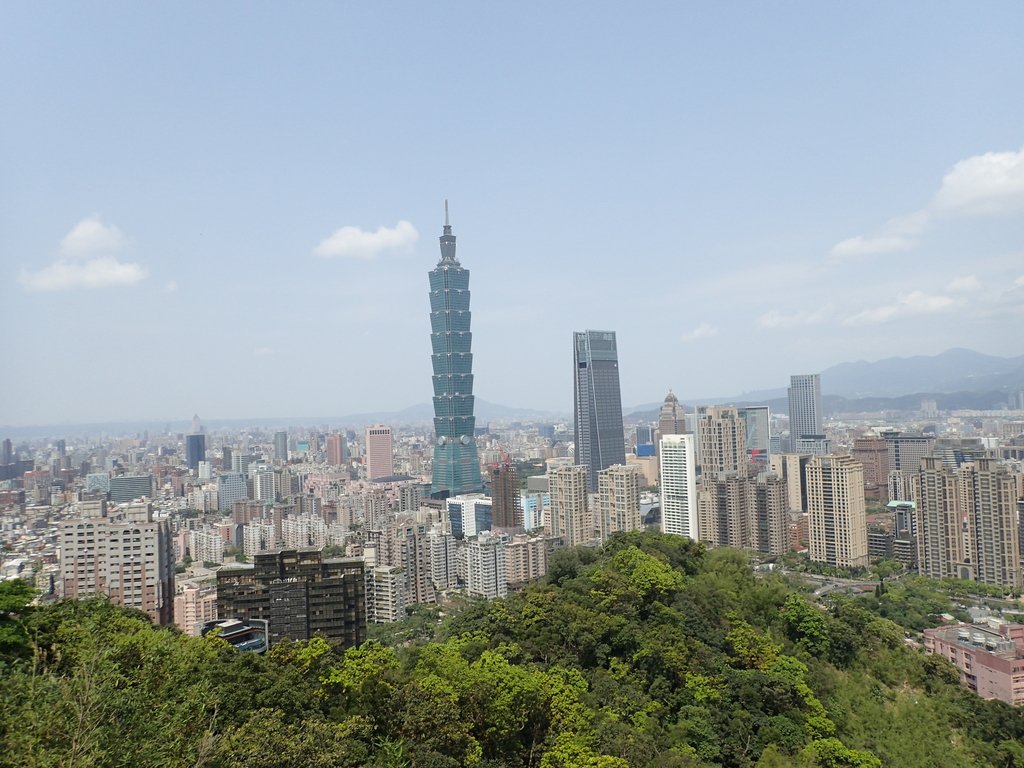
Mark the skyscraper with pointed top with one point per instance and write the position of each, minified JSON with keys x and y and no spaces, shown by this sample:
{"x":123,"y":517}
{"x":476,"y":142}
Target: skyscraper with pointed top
{"x":456,"y":463}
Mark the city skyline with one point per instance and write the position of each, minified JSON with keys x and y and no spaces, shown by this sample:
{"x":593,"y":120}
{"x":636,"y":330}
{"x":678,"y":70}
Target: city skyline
{"x":833,"y":176}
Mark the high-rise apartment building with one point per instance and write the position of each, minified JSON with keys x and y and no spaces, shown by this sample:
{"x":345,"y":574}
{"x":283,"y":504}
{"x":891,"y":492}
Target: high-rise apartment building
{"x":380,"y":452}
{"x":967,"y":522}
{"x":299,"y":593}
{"x":456,"y":463}
{"x":617,"y":502}
{"x":486,"y":566}
{"x":771,"y":514}
{"x":678,"y":485}
{"x":873,"y":454}
{"x":723,"y":442}
{"x":569,"y":516}
{"x":128,"y":557}
{"x":598,"y":432}
{"x":837,"y":518}
{"x":281,"y":446}
{"x":507,"y":503}
{"x":336,"y":450}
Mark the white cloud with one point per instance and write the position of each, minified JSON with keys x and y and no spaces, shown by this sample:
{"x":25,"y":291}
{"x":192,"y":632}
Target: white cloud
{"x":913,"y":303}
{"x":775,"y":319}
{"x":870,"y":246}
{"x":170,"y":286}
{"x":91,"y":236}
{"x":988,"y":184}
{"x":898,"y":234}
{"x":964,"y":284}
{"x":263,"y":352}
{"x":1019,"y":282}
{"x":702,"y":331}
{"x":101,"y":272}
{"x":983,"y":185}
{"x":356,"y":243}
{"x":85,"y":260}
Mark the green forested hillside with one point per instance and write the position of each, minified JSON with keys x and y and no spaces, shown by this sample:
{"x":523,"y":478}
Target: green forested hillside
{"x":650,"y":651}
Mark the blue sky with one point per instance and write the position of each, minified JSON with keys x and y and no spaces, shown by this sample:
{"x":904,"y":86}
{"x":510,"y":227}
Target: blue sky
{"x":201,"y":204}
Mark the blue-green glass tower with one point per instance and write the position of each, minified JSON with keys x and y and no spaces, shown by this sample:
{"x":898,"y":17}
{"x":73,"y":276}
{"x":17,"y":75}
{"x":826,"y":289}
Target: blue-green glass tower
{"x":456,"y":464}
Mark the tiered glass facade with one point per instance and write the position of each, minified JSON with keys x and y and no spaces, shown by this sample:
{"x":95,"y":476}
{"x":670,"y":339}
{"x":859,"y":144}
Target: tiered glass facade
{"x":456,"y":464}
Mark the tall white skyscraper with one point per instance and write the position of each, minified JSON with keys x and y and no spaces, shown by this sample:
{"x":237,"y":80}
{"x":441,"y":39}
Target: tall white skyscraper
{"x":678,"y":485}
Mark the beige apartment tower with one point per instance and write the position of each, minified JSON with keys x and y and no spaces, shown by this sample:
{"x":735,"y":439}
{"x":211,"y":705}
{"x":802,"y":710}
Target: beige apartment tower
{"x":127,"y":556}
{"x":837,"y":520}
{"x":569,"y":515}
{"x":617,"y":504}
{"x":967,"y":522}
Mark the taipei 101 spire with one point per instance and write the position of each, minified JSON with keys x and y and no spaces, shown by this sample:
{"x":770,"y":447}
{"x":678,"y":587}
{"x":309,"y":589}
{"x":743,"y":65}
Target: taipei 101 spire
{"x":456,"y":464}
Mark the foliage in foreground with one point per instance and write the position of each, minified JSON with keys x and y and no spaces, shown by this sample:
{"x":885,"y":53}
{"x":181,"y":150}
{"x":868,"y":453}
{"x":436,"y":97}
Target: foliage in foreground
{"x":650,"y":652}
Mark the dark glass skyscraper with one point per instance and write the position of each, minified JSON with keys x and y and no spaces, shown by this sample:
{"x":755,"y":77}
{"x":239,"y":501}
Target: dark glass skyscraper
{"x":456,"y":464}
{"x":600,"y":440}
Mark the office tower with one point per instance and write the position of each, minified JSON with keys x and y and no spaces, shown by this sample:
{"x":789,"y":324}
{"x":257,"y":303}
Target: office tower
{"x":643,"y":435}
{"x":195,"y":450}
{"x":62,"y":448}
{"x":598,"y":431}
{"x":6,"y":452}
{"x":231,"y":487}
{"x":226,"y":458}
{"x":757,"y":420}
{"x":98,"y":482}
{"x":805,"y":420}
{"x":617,"y":503}
{"x":469,"y":514}
{"x":126,"y":488}
{"x":837,"y":520}
{"x":299,"y":593}
{"x":678,"y":485}
{"x":336,"y":450}
{"x":723,"y":442}
{"x":569,"y":517}
{"x":508,"y":508}
{"x":672,"y":418}
{"x":486,"y":566}
{"x":456,"y":464}
{"x":380,"y":452}
{"x":906,"y":451}
{"x":128,"y":557}
{"x":281,"y":446}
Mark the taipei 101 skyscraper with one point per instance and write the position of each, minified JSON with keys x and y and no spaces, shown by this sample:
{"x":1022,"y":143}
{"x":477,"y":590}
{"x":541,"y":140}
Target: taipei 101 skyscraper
{"x":456,"y":464}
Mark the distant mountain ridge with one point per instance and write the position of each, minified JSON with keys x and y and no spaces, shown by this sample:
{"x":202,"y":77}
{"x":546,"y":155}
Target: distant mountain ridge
{"x":957,"y":378}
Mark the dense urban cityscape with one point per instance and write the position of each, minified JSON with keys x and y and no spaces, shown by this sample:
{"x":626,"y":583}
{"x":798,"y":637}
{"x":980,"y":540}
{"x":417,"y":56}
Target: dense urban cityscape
{"x":321,"y":531}
{"x":695,"y":439}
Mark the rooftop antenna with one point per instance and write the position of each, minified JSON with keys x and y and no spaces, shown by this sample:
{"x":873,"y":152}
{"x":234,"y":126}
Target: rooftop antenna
{"x":446,"y":213}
